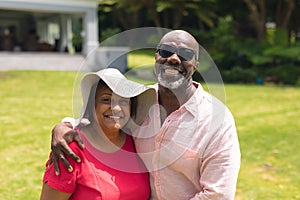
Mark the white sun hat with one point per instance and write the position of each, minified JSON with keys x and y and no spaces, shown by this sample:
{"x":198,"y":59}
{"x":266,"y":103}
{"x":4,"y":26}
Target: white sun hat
{"x":120,"y":85}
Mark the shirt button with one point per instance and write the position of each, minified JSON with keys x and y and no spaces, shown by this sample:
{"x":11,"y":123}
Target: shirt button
{"x":158,"y":138}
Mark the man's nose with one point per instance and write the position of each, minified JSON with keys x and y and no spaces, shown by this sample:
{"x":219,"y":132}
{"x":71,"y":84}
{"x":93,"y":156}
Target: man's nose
{"x":174,"y":58}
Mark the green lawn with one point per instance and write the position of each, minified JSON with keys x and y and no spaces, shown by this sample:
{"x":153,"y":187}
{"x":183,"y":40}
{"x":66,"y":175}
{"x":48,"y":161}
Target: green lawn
{"x":267,"y":118}
{"x":268,"y":122}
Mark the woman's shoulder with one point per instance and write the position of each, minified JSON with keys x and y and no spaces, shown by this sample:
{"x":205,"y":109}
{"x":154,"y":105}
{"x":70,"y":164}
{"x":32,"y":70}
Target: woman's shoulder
{"x":75,"y":148}
{"x":129,"y":144}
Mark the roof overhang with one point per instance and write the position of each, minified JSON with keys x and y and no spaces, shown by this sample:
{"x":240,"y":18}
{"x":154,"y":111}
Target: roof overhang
{"x":49,"y":5}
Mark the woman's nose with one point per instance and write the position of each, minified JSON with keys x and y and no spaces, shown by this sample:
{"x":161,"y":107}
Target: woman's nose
{"x":116,"y":107}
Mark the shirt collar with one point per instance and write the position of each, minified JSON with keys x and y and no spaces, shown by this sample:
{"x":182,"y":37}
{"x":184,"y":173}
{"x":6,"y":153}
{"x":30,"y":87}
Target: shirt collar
{"x":193,"y":103}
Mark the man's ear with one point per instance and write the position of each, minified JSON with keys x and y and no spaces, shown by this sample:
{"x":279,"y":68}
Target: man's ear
{"x":196,"y":65}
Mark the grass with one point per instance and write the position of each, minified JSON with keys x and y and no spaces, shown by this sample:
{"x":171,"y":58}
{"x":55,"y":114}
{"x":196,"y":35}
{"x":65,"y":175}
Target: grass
{"x":145,"y":56}
{"x":267,"y":118}
{"x":31,"y":103}
{"x":268,"y":122}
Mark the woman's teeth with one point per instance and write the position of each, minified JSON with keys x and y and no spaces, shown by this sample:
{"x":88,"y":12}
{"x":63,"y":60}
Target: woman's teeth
{"x":114,"y":117}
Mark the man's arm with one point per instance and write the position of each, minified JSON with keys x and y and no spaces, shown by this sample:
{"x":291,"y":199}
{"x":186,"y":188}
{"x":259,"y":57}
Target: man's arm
{"x":62,"y":135}
{"x":221,"y":166}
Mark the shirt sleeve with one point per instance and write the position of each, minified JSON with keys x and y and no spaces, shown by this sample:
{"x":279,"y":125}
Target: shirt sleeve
{"x":65,"y":181}
{"x":220,"y":166}
{"x":70,"y":120}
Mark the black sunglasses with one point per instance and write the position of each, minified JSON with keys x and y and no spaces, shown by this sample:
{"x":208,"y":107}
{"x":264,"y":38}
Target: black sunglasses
{"x":184,"y":54}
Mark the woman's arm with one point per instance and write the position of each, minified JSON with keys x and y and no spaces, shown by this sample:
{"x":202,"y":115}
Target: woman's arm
{"x":49,"y":193}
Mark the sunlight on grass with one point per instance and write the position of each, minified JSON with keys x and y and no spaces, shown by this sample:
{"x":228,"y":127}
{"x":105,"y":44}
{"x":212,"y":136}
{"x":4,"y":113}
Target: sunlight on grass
{"x":140,"y":58}
{"x":31,"y":103}
{"x":267,"y":119}
{"x":141,"y":66}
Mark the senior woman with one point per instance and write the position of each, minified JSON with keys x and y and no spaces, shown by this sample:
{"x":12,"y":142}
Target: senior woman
{"x":109,"y":168}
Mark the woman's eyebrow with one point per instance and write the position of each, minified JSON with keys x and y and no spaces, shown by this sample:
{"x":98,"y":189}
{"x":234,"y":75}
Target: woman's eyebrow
{"x":109,"y":94}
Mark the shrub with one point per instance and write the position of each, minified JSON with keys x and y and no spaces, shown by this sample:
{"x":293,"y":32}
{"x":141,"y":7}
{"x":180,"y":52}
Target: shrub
{"x":240,"y":75}
{"x":285,"y":74}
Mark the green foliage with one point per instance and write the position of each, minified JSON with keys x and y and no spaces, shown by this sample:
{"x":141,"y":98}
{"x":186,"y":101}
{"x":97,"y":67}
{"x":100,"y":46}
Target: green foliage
{"x":239,"y":75}
{"x":281,"y":37}
{"x":108,"y":32}
{"x":77,"y":42}
{"x":283,"y":54}
{"x":298,"y":82}
{"x":224,"y":28}
{"x":243,"y":59}
{"x":280,"y":62}
{"x":284,"y":74}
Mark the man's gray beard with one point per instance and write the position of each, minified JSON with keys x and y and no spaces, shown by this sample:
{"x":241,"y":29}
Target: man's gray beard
{"x":171,"y":85}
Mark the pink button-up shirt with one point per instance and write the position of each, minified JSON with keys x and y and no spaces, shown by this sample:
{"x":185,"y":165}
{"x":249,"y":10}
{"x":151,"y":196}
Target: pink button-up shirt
{"x":194,"y":154}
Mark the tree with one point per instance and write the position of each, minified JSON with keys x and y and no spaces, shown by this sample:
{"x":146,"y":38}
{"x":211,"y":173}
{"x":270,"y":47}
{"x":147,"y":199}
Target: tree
{"x":284,"y":10}
{"x":203,"y":11}
{"x":280,"y":13}
{"x":258,"y":15}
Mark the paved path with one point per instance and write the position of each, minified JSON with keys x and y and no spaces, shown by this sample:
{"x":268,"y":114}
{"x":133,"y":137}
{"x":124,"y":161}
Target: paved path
{"x":40,"y":61}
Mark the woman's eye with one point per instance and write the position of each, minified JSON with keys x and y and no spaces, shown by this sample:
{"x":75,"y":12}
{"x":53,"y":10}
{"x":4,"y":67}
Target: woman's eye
{"x":105,"y":100}
{"x":124,"y":102}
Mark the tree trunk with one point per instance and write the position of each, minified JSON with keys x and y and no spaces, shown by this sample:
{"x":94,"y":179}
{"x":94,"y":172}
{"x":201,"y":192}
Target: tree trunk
{"x":151,"y":7}
{"x":282,"y":18}
{"x":283,"y":15}
{"x":258,"y":14}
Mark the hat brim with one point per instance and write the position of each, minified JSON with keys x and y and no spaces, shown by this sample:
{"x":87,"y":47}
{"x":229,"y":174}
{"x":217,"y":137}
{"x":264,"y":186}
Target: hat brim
{"x":121,"y":86}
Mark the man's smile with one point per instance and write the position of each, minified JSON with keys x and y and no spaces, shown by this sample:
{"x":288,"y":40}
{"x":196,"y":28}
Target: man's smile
{"x":113,"y":117}
{"x":171,"y":70}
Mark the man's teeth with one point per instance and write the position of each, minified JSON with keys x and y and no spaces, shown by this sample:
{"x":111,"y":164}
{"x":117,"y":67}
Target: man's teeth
{"x":171,"y":71}
{"x":114,"y":117}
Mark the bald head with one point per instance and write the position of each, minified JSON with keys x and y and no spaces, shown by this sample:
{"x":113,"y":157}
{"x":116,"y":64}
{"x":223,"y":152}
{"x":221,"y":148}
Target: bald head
{"x":180,"y":38}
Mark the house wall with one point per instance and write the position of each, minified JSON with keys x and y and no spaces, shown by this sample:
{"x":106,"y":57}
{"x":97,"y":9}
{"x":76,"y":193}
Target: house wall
{"x":24,"y":17}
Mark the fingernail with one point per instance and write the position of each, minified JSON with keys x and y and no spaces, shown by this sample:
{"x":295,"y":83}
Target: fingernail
{"x":70,"y":169}
{"x":57,"y":173}
{"x":78,"y":160}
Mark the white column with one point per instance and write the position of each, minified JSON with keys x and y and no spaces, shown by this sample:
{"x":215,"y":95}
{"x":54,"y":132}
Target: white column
{"x":66,"y":33}
{"x":69,"y":36}
{"x":63,"y":33}
{"x":91,"y":40}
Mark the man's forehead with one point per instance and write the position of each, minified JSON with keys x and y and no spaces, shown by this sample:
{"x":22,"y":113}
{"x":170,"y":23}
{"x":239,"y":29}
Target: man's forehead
{"x":179,"y":39}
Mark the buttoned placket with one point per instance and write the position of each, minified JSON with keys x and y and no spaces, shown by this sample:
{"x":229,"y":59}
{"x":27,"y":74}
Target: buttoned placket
{"x":158,"y":141}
